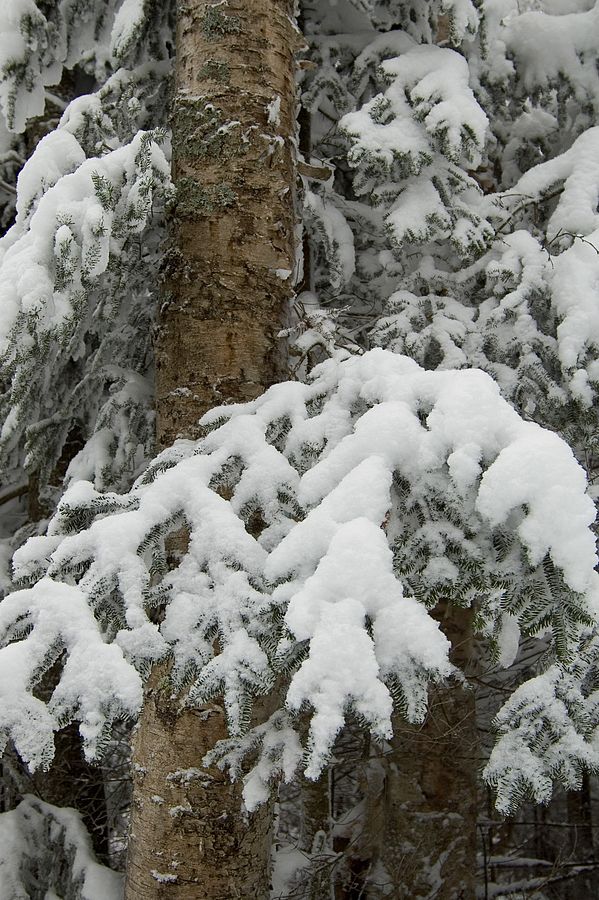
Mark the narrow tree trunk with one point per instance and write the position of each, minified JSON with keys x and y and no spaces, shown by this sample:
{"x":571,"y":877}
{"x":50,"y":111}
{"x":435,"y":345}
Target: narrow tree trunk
{"x":580,"y":818}
{"x":316,"y":812}
{"x":430,"y":840}
{"x":229,"y":276}
{"x":582,"y":845}
{"x":419,"y":827}
{"x":314,"y":881}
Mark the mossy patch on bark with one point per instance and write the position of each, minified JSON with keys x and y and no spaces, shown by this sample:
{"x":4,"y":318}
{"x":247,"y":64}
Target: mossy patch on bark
{"x":195,"y":199}
{"x":216,"y":70}
{"x":200,"y":131}
{"x":216,"y":25}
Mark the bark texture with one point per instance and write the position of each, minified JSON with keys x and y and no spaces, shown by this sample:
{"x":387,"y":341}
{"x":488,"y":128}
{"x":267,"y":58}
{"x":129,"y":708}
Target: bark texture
{"x":229,"y":276}
{"x":188,"y":837}
{"x":230,"y":264}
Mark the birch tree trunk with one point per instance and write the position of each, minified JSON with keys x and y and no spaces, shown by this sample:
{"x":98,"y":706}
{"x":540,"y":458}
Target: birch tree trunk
{"x":229,"y":276}
{"x":232,"y":255}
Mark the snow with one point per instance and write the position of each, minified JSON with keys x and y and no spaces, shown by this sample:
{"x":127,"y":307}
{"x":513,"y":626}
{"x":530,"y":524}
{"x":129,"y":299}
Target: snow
{"x":412,"y":322}
{"x":538,"y":472}
{"x":563,"y":267}
{"x":279,"y":756}
{"x":464,"y":17}
{"x":548,"y":704}
{"x":36,"y":835}
{"x":508,"y":641}
{"x":324,"y":562}
{"x":16,"y":47}
{"x":58,"y":153}
{"x":127,"y":21}
{"x":273,"y":110}
{"x":418,"y":205}
{"x":26,"y":285}
{"x":415,"y":145}
{"x":330,"y":611}
{"x":294,"y":568}
{"x":440,"y":95}
{"x":546,"y":46}
{"x":329,"y":679}
{"x":429,"y":105}
{"x":163,"y":877}
{"x":578,"y":170}
{"x":338,"y":237}
{"x":96,"y":682}
{"x":287,"y":860}
{"x":77,"y":226}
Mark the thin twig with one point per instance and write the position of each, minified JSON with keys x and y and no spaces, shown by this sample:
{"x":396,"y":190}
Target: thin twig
{"x":15,"y":492}
{"x":8,"y":187}
{"x":521,"y":206}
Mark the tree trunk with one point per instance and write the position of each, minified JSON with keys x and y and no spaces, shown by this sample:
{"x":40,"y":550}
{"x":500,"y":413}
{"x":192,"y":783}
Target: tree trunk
{"x":229,"y":275}
{"x":189,"y":836}
{"x":229,"y":269}
{"x":430,"y":841}
{"x":582,"y":844}
{"x":314,"y":881}
{"x":419,"y":830}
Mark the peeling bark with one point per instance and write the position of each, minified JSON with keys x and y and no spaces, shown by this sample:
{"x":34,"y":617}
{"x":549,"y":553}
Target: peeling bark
{"x":232,"y":254}
{"x":189,"y":836}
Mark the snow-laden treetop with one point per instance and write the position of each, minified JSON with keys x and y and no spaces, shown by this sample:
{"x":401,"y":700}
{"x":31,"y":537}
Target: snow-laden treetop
{"x":320,"y":523}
